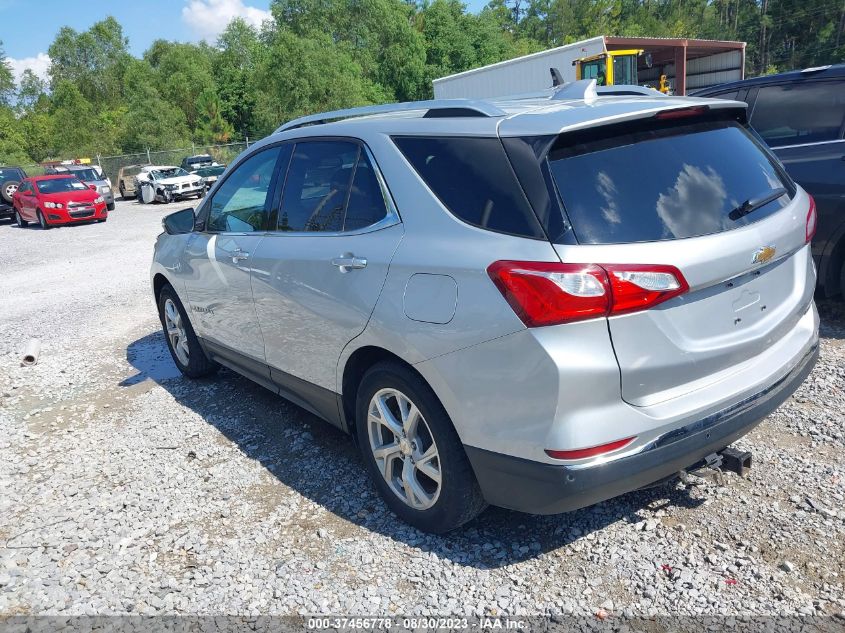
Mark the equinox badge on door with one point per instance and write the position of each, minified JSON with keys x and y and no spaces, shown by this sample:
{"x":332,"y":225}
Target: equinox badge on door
{"x":763,"y":255}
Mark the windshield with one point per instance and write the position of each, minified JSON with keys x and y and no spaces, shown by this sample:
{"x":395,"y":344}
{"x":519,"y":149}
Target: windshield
{"x":666,"y":183}
{"x":86,"y":174}
{"x":60,"y":185}
{"x":173,"y":172}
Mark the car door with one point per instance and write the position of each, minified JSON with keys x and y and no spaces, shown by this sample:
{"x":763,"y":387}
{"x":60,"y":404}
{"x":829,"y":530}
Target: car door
{"x":803,"y":122}
{"x":26,"y":201}
{"x":218,"y":260}
{"x":316,"y":279}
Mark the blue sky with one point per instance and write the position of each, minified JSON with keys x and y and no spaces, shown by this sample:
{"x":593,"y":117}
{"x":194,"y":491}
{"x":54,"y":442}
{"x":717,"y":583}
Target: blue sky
{"x":36,"y":22}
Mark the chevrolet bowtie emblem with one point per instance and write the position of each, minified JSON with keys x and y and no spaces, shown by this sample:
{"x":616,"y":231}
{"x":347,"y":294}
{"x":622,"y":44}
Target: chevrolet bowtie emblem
{"x":764,"y":255}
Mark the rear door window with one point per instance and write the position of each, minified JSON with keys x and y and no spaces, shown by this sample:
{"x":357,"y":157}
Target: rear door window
{"x":317,"y":186}
{"x":662,"y":183}
{"x":797,"y":113}
{"x":473,"y":178}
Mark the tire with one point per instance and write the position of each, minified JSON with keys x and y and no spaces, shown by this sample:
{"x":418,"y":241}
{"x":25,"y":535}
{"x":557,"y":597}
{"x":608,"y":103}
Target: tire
{"x":101,"y":220}
{"x":189,"y":356}
{"x":20,"y":221}
{"x":110,"y":207}
{"x":42,"y":221}
{"x":433,"y":507}
{"x":8,"y":189}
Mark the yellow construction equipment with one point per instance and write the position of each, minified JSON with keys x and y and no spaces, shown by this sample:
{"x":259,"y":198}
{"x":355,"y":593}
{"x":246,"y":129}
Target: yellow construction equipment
{"x":611,"y":68}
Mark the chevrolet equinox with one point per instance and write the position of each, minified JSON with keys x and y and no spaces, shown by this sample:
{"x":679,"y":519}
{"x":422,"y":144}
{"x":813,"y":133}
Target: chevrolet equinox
{"x":538,"y":303}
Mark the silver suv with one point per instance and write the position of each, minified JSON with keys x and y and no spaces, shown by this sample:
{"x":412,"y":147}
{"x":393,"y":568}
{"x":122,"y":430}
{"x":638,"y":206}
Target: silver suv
{"x":538,"y":303}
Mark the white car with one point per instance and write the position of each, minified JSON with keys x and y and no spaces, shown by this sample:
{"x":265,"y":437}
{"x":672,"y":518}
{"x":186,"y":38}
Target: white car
{"x":166,"y":183}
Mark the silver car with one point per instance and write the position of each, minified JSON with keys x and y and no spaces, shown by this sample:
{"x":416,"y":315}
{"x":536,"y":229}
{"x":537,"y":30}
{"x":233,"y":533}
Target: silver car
{"x":93,"y":177}
{"x":539,"y":303}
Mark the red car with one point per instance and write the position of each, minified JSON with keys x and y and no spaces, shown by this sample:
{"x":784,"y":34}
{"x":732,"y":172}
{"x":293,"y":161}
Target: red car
{"x":59,"y":199}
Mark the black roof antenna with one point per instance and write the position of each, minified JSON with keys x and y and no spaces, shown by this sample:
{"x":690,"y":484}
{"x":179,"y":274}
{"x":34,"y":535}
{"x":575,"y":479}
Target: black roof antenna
{"x":557,"y":78}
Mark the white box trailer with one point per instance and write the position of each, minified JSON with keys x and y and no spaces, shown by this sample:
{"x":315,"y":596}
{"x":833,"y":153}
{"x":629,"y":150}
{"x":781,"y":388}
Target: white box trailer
{"x":687,"y":64}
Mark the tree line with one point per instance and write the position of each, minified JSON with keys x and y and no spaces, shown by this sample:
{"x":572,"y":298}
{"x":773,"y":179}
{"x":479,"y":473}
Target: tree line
{"x":317,"y":55}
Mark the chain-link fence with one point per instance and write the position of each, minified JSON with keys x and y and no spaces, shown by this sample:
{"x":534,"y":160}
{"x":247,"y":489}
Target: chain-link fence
{"x":111,"y":165}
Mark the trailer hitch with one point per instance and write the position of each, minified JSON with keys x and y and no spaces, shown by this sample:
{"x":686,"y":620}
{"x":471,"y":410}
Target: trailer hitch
{"x":715,"y":464}
{"x":736,"y":461}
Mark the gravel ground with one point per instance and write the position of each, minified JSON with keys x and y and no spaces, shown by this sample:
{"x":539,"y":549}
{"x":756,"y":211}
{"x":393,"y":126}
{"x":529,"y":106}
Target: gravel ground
{"x":127,"y":489}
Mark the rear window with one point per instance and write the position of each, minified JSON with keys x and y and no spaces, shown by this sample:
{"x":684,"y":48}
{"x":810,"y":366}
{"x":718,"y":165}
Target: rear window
{"x":662,"y":183}
{"x":473,"y":178}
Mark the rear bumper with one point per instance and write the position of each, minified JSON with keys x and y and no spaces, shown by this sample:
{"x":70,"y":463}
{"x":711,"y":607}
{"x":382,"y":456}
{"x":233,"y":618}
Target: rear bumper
{"x":540,"y":488}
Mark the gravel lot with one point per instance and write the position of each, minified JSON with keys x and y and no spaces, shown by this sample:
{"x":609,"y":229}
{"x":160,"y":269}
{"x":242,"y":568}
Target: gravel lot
{"x":127,"y":489}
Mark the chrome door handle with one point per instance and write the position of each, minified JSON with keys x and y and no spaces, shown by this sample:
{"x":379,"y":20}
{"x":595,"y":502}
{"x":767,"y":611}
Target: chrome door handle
{"x":238,"y":255}
{"x":347,"y":262}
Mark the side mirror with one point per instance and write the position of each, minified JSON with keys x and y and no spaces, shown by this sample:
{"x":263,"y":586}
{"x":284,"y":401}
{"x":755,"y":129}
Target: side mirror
{"x":179,"y":222}
{"x":93,"y":187}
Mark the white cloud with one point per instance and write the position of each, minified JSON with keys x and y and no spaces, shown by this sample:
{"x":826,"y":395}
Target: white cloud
{"x":39,"y":64}
{"x":208,"y":18}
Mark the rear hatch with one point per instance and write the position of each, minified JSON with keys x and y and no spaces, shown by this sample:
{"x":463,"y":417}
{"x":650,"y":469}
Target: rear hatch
{"x":700,"y":197}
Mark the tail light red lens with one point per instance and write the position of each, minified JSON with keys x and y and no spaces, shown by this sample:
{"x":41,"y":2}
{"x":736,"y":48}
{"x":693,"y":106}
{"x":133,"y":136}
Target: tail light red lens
{"x":549,"y":293}
{"x":812,"y":220}
{"x":639,"y":287}
{"x":581,"y":453}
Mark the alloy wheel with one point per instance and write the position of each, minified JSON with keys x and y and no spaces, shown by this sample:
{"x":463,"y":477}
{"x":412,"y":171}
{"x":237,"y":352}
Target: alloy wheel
{"x":10,"y":190}
{"x":404,"y":448}
{"x":176,"y":331}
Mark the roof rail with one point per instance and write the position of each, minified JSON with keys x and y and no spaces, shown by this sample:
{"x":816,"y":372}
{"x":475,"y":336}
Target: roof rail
{"x":583,"y":89}
{"x":457,"y":107}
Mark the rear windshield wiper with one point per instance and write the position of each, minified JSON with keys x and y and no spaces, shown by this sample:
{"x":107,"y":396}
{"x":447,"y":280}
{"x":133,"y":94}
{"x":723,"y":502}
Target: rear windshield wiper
{"x":755,"y":203}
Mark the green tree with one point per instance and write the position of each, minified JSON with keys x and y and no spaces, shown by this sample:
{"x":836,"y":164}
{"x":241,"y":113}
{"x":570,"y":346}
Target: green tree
{"x":378,"y":35}
{"x":213,"y":127}
{"x":181,"y":73}
{"x":74,"y":132}
{"x":12,"y":139}
{"x":150,"y":122}
{"x":324,"y":77}
{"x":32,"y":91}
{"x":234,"y":73}
{"x":94,"y":60}
{"x":7,"y":81}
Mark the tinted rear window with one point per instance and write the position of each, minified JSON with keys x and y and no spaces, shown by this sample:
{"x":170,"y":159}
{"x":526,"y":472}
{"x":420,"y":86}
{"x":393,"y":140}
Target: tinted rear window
{"x":474,"y":180}
{"x":663,"y":183}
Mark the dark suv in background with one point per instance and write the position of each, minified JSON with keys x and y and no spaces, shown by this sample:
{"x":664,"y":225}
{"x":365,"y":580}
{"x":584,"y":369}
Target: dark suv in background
{"x":801,"y":116}
{"x":10,"y":178}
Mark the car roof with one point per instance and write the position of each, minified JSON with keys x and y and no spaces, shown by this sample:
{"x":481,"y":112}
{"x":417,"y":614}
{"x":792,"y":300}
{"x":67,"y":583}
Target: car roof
{"x":573,"y":106}
{"x":835,"y":71}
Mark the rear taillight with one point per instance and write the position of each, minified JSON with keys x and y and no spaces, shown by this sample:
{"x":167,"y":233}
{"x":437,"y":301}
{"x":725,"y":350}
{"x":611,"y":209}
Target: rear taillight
{"x":544,"y":293}
{"x":549,"y":293}
{"x":581,"y":453}
{"x":812,"y":221}
{"x":639,"y":287}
